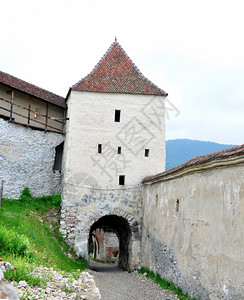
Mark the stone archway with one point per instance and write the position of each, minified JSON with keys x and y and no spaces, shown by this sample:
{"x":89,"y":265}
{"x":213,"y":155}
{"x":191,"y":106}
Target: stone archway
{"x":121,"y":228}
{"x":123,"y":224}
{"x":126,"y":227}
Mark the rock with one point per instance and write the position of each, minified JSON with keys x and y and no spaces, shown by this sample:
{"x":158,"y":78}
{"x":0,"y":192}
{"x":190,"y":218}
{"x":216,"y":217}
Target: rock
{"x":22,"y":283}
{"x":1,"y":275}
{"x":171,"y":257}
{"x":8,"y":291}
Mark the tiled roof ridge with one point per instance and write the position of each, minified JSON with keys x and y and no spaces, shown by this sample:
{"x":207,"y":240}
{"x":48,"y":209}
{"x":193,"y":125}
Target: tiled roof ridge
{"x":200,"y":160}
{"x":150,"y":82}
{"x":133,"y":64}
{"x":96,"y":66}
{"x":29,"y":86}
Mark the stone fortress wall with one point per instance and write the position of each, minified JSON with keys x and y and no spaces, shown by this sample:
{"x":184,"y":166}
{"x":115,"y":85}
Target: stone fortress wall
{"x":27,"y":159}
{"x":88,"y":206}
{"x":192,"y":231}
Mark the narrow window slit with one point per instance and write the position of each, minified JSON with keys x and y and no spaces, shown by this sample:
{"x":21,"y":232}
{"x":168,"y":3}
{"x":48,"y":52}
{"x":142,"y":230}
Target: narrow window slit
{"x":122,"y":180}
{"x":99,"y":148}
{"x":119,"y":150}
{"x":146,"y":152}
{"x":156,"y":200}
{"x":177,"y":205}
{"x":117,"y":116}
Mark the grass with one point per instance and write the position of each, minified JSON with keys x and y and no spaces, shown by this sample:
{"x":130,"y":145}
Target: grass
{"x":103,"y":261}
{"x":24,"y":272}
{"x":166,"y":285}
{"x":29,"y":238}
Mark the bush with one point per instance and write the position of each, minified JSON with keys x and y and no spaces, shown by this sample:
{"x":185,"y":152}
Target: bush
{"x":54,"y":199}
{"x":26,"y":195}
{"x":12,"y":242}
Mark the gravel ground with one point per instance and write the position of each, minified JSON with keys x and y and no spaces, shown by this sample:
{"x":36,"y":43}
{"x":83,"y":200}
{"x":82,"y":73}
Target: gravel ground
{"x":115,"y":284}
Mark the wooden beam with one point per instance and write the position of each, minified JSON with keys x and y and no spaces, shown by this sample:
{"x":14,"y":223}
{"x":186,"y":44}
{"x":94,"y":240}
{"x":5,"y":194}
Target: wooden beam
{"x":11,"y":106}
{"x":64,"y":121}
{"x":33,"y":111}
{"x":46,"y":116}
{"x":29,"y":110}
{"x":31,"y":120}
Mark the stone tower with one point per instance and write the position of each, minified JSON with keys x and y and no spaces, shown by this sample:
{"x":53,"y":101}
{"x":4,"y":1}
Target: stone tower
{"x":115,"y":137}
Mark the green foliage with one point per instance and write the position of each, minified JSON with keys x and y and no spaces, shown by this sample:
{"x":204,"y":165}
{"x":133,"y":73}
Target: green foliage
{"x":29,"y":236}
{"x":13,"y":242}
{"x":25,"y":195}
{"x":53,"y":199}
{"x":165,"y":284}
{"x":24,"y":273}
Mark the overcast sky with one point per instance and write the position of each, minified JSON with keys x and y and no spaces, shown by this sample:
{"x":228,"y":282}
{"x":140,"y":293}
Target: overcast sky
{"x":194,"y":50}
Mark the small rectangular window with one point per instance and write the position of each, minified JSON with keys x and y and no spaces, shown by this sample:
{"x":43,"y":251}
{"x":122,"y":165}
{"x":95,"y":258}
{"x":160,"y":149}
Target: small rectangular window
{"x":99,"y":148}
{"x":117,"y":116}
{"x":122,"y":180}
{"x":146,"y":152}
{"x":119,"y":150}
{"x":177,"y":205}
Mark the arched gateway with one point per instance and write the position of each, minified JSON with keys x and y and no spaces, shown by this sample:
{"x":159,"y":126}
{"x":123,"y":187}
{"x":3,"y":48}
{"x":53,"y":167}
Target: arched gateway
{"x":127,"y":236}
{"x":115,"y":137}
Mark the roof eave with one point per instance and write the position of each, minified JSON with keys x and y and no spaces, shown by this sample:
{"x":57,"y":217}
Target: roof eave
{"x":33,"y":96}
{"x":164,"y":94}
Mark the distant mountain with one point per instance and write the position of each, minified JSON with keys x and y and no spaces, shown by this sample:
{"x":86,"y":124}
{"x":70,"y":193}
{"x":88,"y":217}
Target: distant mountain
{"x":180,"y":150}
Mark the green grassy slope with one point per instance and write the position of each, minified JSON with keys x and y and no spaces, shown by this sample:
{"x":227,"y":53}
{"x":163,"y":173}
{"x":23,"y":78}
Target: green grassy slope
{"x":29,"y":236}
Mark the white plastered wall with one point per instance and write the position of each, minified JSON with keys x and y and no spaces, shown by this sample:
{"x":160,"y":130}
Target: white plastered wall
{"x":91,"y":122}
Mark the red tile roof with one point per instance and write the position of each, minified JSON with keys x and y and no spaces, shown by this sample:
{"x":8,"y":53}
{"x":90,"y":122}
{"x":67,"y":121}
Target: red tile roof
{"x":200,"y":160}
{"x":116,"y":73}
{"x":30,"y":89}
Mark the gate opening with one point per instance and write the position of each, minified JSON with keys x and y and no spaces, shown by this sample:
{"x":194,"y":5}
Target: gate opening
{"x":112,"y":226}
{"x":105,"y":246}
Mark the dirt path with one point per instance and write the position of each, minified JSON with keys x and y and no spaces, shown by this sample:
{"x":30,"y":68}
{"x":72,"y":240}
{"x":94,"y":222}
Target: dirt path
{"x":115,"y":284}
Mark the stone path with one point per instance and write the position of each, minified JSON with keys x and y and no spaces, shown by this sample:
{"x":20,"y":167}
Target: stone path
{"x":115,"y":284}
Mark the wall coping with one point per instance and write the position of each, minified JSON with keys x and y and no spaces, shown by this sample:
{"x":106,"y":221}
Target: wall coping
{"x":221,"y":163}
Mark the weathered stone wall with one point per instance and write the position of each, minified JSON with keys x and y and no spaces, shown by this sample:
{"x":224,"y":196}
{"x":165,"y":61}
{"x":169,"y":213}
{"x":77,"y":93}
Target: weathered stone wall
{"x":82,"y":207}
{"x":193,"y":231}
{"x":27,"y":159}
